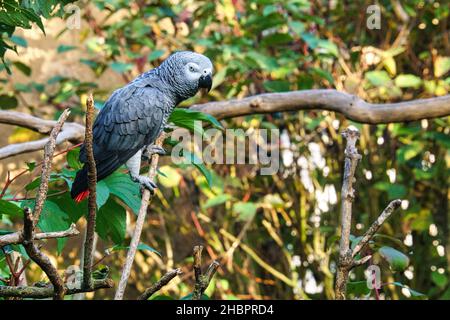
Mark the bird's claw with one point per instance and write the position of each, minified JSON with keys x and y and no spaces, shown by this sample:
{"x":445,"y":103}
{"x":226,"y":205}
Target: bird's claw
{"x":153,"y":149}
{"x":146,"y":183}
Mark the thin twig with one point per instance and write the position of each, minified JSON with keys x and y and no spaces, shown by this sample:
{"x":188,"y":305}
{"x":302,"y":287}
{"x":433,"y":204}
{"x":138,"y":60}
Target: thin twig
{"x":92,"y":206}
{"x":161,"y":283}
{"x":146,"y":198}
{"x":376,"y":226}
{"x":41,"y":259}
{"x":17,"y":237}
{"x":347,"y":196}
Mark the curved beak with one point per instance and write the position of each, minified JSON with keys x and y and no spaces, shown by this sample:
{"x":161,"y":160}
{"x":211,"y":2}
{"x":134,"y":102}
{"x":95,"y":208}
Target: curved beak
{"x":205,"y":81}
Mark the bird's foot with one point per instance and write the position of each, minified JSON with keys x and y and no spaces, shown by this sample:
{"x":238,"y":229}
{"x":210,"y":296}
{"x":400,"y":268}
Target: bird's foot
{"x":153,"y":149}
{"x":146,"y":183}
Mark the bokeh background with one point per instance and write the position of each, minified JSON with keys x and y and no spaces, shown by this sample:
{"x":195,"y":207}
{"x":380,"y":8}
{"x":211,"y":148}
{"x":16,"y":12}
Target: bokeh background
{"x":275,"y":236}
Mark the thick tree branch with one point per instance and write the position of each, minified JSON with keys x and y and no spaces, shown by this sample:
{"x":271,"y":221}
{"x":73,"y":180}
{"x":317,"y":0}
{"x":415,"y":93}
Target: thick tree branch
{"x":92,"y":204}
{"x":146,"y":198}
{"x":161,"y":283}
{"x":47,"y":292}
{"x":17,"y":237}
{"x":348,"y":105}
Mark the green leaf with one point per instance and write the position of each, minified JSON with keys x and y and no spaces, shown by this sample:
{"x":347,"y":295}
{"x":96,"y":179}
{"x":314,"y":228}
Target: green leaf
{"x":439,"y":279}
{"x":73,"y":210}
{"x":408,"y":81}
{"x":121,"y":67}
{"x":358,"y":288}
{"x":10,"y":209}
{"x":125,"y":189}
{"x":102,"y":193}
{"x":19,"y":41}
{"x":329,"y":47}
{"x":276,"y":86}
{"x":414,"y":293}
{"x":8,"y":102}
{"x":26,"y":70}
{"x":196,"y":162}
{"x":64,"y":48}
{"x":378,"y":78}
{"x":245,"y":210}
{"x":111,"y":222}
{"x":156,"y":54}
{"x":441,"y":66}
{"x":169,"y":177}
{"x":188,"y":119}
{"x":73,"y":159}
{"x":52,"y":219}
{"x":396,"y":259}
{"x":217,"y":200}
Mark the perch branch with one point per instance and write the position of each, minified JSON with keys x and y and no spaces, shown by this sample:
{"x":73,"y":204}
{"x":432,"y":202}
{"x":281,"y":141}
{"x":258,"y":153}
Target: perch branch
{"x":347,"y":256}
{"x":39,"y":258}
{"x":32,"y":219}
{"x":161,"y":283}
{"x":202,"y":280}
{"x":17,"y":237}
{"x":376,"y":226}
{"x":347,"y":196}
{"x":49,"y":149}
{"x":348,"y":105}
{"x":146,"y":198}
{"x":47,"y":292}
{"x":92,"y":205}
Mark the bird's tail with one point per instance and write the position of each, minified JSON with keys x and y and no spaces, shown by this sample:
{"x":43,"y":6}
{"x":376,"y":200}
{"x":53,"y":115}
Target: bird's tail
{"x":80,"y":190}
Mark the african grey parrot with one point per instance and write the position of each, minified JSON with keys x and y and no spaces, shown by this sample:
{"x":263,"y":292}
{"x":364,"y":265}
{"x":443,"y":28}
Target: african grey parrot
{"x":134,"y":116}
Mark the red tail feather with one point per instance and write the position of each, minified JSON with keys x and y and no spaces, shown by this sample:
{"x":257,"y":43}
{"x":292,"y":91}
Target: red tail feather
{"x":83,"y":195}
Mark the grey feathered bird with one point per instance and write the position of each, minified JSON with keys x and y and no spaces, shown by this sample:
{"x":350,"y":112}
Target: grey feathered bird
{"x":134,"y":116}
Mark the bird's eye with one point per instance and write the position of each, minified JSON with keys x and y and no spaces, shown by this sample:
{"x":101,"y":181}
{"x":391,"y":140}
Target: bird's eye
{"x":191,"y":68}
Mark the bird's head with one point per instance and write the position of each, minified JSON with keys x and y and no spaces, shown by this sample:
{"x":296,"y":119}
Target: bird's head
{"x":188,"y":72}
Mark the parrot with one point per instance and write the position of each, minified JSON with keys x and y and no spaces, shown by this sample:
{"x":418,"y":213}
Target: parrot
{"x":134,"y":116}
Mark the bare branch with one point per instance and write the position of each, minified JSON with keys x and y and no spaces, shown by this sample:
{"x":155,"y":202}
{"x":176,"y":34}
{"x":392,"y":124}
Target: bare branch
{"x":376,"y":225}
{"x":198,"y":262}
{"x":202,"y":280}
{"x":92,"y":205}
{"x":146,"y":198}
{"x":39,"y":258}
{"x":49,"y":149}
{"x":347,"y":195}
{"x":17,"y":237}
{"x":47,"y":292}
{"x":71,"y":132}
{"x":161,"y":283}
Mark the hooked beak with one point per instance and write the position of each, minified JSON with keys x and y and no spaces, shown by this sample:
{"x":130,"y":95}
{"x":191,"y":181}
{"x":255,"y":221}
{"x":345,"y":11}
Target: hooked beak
{"x":205,"y":82}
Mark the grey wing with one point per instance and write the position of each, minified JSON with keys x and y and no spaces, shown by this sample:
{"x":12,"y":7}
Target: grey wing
{"x":130,"y":119}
